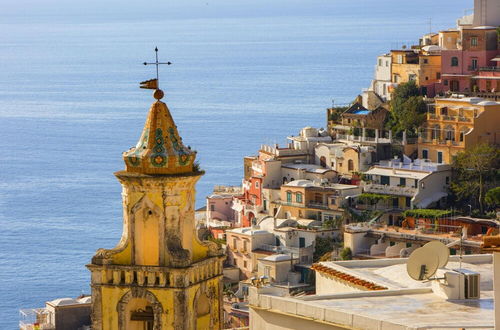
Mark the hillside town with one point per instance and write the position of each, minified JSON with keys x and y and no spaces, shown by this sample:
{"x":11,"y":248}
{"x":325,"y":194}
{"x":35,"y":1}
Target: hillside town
{"x":336,"y":228}
{"x":374,"y":184}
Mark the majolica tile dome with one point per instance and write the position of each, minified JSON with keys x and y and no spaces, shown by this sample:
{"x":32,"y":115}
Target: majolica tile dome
{"x":160,"y":149}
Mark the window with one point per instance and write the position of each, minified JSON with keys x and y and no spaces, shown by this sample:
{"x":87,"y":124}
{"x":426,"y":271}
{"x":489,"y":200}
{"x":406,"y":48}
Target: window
{"x":245,"y":245}
{"x":395,"y":202}
{"x":257,"y":184}
{"x":438,"y":75}
{"x":408,"y":201}
{"x":379,"y":62}
{"x":235,"y":262}
{"x":350,"y":165}
{"x":473,"y":42}
{"x":386,"y":63}
{"x":454,"y":61}
{"x":245,"y":264}
{"x":264,"y":205}
{"x":408,"y":245}
{"x":278,"y":243}
{"x":384,"y":179}
{"x":395,"y":78}
{"x":446,"y":82}
{"x":399,"y":59}
{"x":212,"y":207}
{"x":440,"y":157}
{"x":447,"y":180}
{"x":289,"y":196}
{"x":302,"y":242}
{"x":426,"y":61}
{"x":474,"y":64}
{"x":235,"y":243}
{"x":425,"y":154}
{"x":298,"y":198}
{"x":322,"y":161}
{"x":402,"y":182}
{"x":426,"y":78}
{"x":267,"y":271}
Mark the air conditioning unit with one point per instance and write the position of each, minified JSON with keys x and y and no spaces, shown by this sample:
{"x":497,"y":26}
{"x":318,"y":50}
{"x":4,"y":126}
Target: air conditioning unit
{"x":471,"y":284}
{"x":458,"y":284}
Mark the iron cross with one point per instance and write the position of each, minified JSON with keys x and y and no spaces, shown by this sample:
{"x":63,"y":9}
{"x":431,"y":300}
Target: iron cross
{"x":157,"y":64}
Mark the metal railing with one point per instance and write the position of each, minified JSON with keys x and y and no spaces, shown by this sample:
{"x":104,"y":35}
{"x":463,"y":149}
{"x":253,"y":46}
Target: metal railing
{"x":391,"y":190}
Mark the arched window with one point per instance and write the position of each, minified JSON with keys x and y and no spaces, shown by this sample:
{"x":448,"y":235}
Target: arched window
{"x":350,"y":165}
{"x":322,"y":161}
{"x":435,"y":132}
{"x":298,"y":198}
{"x":463,"y":131}
{"x":454,"y":61}
{"x":450,"y":133}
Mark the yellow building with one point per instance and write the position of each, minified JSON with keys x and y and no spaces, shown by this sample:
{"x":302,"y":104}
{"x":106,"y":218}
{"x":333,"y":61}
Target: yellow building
{"x":305,"y":199}
{"x":457,"y":124}
{"x":422,"y":66}
{"x":159,"y":276}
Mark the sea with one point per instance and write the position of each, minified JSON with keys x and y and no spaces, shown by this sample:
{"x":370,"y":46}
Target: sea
{"x":244,"y":73}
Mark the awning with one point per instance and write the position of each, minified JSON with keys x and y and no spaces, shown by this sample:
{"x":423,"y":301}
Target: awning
{"x":431,"y":199}
{"x":486,"y":77}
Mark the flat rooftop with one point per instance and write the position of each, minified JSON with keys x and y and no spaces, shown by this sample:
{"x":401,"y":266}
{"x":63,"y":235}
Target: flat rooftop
{"x":406,"y":305}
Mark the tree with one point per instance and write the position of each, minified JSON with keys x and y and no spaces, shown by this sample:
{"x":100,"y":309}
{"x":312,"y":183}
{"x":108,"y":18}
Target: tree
{"x":492,"y":197}
{"x":407,"y":109}
{"x":322,"y":246}
{"x":346,"y":254}
{"x":474,"y":171}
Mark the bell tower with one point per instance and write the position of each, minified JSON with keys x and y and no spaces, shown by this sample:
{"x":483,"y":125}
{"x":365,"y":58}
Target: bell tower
{"x":160,"y":275}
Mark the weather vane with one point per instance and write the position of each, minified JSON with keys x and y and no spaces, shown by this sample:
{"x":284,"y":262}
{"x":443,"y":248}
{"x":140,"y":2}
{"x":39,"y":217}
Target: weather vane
{"x":153,"y":83}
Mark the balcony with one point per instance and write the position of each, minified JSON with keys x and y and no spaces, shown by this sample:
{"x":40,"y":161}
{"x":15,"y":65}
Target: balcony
{"x":447,"y":118}
{"x":316,"y":205}
{"x":424,"y":140}
{"x":390,"y":190}
{"x":354,"y":138}
{"x":490,"y":68}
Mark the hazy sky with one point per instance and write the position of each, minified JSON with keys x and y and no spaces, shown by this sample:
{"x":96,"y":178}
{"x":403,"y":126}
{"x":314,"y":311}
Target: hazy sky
{"x":102,"y":10}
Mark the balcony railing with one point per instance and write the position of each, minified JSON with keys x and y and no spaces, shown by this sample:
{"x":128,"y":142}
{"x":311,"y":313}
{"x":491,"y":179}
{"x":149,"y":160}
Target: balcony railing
{"x":490,"y":68}
{"x":316,"y":205}
{"x":390,"y":190}
{"x":355,"y":138}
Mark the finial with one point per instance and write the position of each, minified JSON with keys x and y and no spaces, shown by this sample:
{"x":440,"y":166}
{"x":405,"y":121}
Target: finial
{"x":158,"y":94}
{"x":154,"y":83}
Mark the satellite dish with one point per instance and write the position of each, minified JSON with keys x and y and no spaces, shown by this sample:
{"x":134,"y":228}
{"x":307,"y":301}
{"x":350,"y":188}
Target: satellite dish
{"x":422,"y":264}
{"x":439,"y":249}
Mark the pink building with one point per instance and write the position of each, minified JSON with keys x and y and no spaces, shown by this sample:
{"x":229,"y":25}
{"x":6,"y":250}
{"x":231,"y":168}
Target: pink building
{"x":219,"y":211}
{"x":462,"y":63}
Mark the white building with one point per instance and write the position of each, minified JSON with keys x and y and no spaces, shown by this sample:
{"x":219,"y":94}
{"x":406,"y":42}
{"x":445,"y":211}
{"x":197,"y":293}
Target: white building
{"x":417,"y":184}
{"x":382,"y":82}
{"x":377,"y":294}
{"x":486,"y":13}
